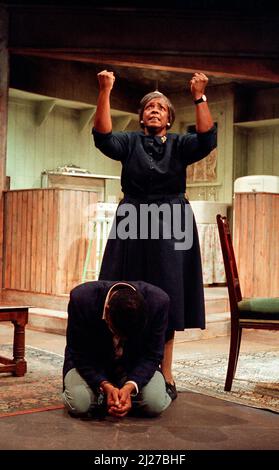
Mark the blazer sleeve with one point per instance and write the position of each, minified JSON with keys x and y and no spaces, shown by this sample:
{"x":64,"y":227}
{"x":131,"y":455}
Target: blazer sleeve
{"x":152,"y":354}
{"x":80,"y":337}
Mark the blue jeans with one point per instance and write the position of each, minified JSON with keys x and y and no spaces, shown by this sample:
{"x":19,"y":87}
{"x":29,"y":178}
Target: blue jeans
{"x":79,"y":398}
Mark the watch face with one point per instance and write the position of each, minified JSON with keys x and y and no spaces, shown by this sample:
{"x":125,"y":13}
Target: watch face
{"x":201,"y":99}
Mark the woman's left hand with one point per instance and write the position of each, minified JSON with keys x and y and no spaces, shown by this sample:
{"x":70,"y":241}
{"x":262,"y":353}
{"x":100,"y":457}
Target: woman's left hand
{"x":198,"y":84}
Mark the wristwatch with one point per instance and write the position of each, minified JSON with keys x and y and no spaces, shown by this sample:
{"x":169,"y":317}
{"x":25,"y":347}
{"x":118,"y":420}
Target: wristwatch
{"x":201,"y":99}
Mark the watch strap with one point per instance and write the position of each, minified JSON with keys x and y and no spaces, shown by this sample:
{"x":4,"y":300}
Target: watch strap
{"x":202,"y":99}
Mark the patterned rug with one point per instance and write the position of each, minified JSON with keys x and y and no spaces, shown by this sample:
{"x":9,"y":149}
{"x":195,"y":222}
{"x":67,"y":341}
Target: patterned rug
{"x":38,"y":390}
{"x":256,"y":382}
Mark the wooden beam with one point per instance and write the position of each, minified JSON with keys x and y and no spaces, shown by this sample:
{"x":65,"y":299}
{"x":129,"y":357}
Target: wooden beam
{"x":67,"y":80}
{"x":236,"y":44}
{"x":193,"y":29}
{"x":248,"y":67}
{"x":4,"y":87}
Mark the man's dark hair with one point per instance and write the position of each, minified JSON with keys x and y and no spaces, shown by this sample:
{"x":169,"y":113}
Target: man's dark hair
{"x":127,"y":312}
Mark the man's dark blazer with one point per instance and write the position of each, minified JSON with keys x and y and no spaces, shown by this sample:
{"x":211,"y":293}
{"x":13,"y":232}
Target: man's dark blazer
{"x":89,"y":341}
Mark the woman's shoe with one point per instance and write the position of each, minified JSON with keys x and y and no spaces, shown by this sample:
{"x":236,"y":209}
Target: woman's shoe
{"x":171,"y":390}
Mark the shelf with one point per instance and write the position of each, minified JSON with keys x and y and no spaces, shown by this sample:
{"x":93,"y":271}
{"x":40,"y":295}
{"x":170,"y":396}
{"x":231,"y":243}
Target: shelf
{"x":85,"y":175}
{"x":260,"y":123}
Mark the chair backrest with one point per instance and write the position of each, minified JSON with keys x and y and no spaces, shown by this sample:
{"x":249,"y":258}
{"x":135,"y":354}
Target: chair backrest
{"x":229,"y":262}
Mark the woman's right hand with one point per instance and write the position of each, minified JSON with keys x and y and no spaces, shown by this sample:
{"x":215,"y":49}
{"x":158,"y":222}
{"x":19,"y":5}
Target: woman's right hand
{"x":106,"y":80}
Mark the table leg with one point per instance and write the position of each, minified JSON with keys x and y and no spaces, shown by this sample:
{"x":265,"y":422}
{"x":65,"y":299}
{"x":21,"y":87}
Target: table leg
{"x":19,"y":346}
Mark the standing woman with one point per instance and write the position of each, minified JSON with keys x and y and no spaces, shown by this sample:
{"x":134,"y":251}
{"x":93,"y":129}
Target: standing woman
{"x":154,"y":175}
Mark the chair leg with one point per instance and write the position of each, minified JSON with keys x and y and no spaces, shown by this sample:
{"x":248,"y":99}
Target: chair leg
{"x":233,"y":356}
{"x":238,"y":348}
{"x":19,"y":347}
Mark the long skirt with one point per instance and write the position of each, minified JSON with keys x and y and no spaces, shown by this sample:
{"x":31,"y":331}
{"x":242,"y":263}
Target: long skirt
{"x":151,"y":242}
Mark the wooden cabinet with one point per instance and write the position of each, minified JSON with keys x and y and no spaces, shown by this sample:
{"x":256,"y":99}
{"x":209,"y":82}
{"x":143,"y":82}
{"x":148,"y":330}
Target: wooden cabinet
{"x":45,"y":239}
{"x":106,"y":187}
{"x":256,"y":243}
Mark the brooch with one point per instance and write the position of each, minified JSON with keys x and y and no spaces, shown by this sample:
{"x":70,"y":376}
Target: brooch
{"x":163,"y":138}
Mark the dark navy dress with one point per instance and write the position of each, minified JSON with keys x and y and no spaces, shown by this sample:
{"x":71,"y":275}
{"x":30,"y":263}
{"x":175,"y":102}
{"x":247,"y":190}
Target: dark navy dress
{"x":154,"y":173}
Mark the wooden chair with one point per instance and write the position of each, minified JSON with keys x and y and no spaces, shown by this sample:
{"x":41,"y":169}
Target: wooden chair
{"x":257,"y":312}
{"x":18,"y":315}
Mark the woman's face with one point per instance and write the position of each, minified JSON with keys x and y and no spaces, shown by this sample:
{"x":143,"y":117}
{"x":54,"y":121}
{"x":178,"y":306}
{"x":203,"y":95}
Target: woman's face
{"x":156,"y":115}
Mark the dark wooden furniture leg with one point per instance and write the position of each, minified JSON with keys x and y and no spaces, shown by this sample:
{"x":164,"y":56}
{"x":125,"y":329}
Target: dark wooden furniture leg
{"x":19,"y":346}
{"x":18,"y":315}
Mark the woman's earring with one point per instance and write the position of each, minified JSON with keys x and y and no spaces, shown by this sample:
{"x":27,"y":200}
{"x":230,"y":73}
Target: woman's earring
{"x":141,"y":122}
{"x":168,"y":125}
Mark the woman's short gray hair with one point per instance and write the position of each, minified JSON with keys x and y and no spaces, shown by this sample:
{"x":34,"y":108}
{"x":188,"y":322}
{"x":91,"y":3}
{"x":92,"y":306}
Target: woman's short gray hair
{"x":151,"y":96}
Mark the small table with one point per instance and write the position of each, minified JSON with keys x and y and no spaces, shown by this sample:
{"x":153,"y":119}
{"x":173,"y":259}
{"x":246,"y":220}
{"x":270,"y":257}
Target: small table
{"x":18,"y":315}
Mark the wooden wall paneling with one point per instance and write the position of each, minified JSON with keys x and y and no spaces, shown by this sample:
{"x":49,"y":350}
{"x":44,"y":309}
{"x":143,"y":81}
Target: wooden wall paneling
{"x":225,"y":136}
{"x":83,"y":202}
{"x":261,"y":268}
{"x":274,"y":246}
{"x":256,"y":227}
{"x":62,"y":241}
{"x":73,"y":242}
{"x":245,"y":249}
{"x":55,"y":243}
{"x":270,"y":229}
{"x":75,"y":268}
{"x":249,"y":249}
{"x":7,"y":247}
{"x":268,"y":151}
{"x":56,"y":142}
{"x":262,"y":151}
{"x":275,"y":169}
{"x":46,"y":237}
{"x":50,"y":240}
{"x":34,"y":212}
{"x":240,"y":153}
{"x":237,"y":240}
{"x":44,"y":230}
{"x":39,"y":236}
{"x":18,"y":240}
{"x":257,"y":154}
{"x":23,"y":247}
{"x":72,"y":211}
{"x":270,"y":260}
{"x":14,"y":242}
{"x":29,"y":228}
{"x":83,"y":232}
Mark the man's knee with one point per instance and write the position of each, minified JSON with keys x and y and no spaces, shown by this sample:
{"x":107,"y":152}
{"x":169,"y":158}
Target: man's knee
{"x":77,"y":396}
{"x":154,"y":406}
{"x":155,"y":397}
{"x":77,"y":400}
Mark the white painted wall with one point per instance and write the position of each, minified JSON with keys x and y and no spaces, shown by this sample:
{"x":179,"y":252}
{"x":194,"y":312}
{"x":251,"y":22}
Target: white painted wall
{"x":56,"y":142}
